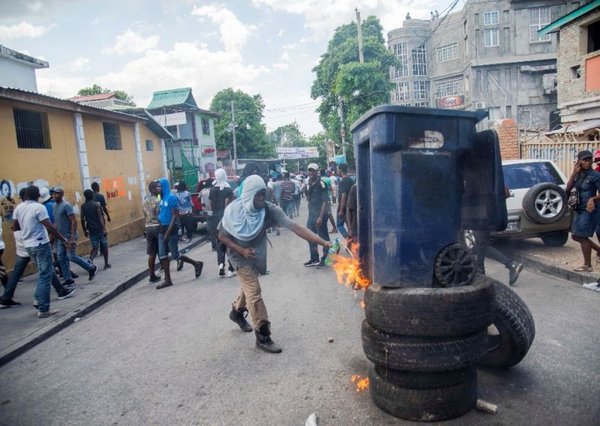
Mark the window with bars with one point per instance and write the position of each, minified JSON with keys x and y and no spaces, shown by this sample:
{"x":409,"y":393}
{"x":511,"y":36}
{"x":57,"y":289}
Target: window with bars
{"x":420,"y":90}
{"x":149,"y":145}
{"x":205,"y":127}
{"x":32,"y":129}
{"x":112,"y":136}
{"x":491,"y":38}
{"x":419,"y":60}
{"x":449,"y":88}
{"x":402,"y":91}
{"x":401,"y":52}
{"x":539,"y":17}
{"x":447,"y":53}
{"x":490,"y":18}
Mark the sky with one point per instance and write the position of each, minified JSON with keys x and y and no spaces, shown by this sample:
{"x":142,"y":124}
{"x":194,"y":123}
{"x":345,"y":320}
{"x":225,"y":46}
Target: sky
{"x":266,"y":47}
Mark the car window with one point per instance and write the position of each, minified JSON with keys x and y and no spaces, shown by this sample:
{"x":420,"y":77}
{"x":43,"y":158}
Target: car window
{"x":526,"y":175}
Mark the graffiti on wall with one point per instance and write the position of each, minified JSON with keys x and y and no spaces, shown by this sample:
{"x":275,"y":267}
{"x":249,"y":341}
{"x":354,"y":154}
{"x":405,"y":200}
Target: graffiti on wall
{"x":9,"y":195}
{"x":114,"y":187}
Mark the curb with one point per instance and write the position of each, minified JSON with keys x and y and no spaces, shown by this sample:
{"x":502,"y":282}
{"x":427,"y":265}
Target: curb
{"x":576,"y":277}
{"x":75,"y":316}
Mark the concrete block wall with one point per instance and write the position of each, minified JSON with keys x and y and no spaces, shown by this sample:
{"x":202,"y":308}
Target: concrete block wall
{"x":508,"y":134}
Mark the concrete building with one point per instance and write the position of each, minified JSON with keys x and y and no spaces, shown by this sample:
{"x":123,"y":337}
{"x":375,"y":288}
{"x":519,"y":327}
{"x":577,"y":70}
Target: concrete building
{"x":17,"y":70}
{"x":488,"y":55}
{"x":578,"y":64}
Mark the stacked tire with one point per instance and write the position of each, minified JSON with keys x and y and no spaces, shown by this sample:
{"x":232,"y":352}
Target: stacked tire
{"x":425,"y":344}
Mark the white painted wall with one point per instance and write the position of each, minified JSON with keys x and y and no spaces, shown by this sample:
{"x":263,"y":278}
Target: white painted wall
{"x":16,"y":75}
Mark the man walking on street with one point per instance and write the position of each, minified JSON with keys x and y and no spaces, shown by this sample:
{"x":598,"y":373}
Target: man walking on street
{"x":243,"y":230}
{"x":98,"y":197}
{"x":168,"y":217}
{"x":318,"y":208}
{"x":66,"y":223}
{"x":31,"y":218}
{"x":94,"y":227}
{"x":152,"y":227}
{"x":343,"y":190}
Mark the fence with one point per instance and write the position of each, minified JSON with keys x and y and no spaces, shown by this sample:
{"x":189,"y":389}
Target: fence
{"x":562,"y":148}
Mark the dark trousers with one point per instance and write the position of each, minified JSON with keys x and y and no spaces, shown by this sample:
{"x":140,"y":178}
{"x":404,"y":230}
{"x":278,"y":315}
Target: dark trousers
{"x":188,"y":223}
{"x":321,"y":231}
{"x":483,"y":249}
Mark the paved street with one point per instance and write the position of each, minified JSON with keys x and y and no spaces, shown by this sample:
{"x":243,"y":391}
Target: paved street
{"x":174,"y":357}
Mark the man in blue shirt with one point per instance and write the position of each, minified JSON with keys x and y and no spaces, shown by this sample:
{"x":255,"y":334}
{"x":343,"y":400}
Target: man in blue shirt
{"x":168,"y":218}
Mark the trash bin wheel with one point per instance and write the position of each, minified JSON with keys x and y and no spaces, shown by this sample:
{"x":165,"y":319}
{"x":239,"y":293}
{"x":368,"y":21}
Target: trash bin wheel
{"x":435,"y":312}
{"x":425,"y":405}
{"x":423,"y":354}
{"x":454,"y":266}
{"x":513,"y":330}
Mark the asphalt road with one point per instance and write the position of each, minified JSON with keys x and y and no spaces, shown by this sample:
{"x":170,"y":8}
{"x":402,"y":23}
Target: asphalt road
{"x":173,"y":357}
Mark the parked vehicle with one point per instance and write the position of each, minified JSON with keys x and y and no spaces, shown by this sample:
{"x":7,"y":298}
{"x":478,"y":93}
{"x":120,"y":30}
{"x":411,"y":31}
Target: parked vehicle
{"x":537,"y":206}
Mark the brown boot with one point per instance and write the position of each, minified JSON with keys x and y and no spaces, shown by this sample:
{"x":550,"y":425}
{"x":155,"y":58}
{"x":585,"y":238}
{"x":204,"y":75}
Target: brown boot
{"x":239,"y":317}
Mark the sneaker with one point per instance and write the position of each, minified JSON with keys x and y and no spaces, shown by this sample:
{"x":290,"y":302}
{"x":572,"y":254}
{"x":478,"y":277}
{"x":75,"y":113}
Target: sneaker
{"x":230,"y":274}
{"x":198,"y":268}
{"x":66,"y":294}
{"x":92,"y":272}
{"x":179,"y":265}
{"x":514,"y":269}
{"x":68,"y":283}
{"x":35,"y":304}
{"x":107,"y":266}
{"x":154,"y":279}
{"x":221,"y":270}
{"x":312,"y":263}
{"x":8,"y":303}
{"x":74,"y":275}
{"x":46,"y":314}
{"x":321,"y":265}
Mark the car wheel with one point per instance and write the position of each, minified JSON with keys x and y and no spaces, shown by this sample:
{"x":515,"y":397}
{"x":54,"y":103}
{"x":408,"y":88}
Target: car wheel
{"x":556,"y":239}
{"x":545,"y":203}
{"x":423,"y":354}
{"x":423,"y":404}
{"x":435,"y":312}
{"x":514,"y":330}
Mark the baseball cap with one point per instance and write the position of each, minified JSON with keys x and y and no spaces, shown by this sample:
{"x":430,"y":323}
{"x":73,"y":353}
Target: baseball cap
{"x":584,"y":154}
{"x":313,"y":166}
{"x":58,"y":189}
{"x":44,"y":195}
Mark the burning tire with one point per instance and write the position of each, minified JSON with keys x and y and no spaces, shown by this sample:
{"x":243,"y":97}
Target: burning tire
{"x":423,"y":354}
{"x":440,"y":379}
{"x":423,"y":404}
{"x":435,"y":312}
{"x":516,"y":330}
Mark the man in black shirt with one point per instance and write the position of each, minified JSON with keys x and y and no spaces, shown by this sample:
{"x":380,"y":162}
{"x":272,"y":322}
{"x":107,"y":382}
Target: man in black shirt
{"x":100,"y":199}
{"x":92,"y":222}
{"x":220,"y":196}
{"x":343,"y":190}
{"x":318,"y":208}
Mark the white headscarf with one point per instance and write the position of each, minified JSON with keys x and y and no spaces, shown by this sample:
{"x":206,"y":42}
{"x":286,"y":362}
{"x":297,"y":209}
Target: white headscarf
{"x":221,"y":179}
{"x":240,"y":218}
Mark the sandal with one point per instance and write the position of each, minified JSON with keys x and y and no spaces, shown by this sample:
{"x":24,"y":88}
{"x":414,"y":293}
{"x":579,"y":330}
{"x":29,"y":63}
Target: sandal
{"x":583,"y":269}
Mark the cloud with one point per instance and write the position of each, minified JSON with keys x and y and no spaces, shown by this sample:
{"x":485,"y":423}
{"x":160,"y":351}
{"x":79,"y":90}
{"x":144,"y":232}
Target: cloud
{"x":234,"y":34}
{"x":22,"y":30}
{"x":132,"y":42}
{"x":78,"y":64}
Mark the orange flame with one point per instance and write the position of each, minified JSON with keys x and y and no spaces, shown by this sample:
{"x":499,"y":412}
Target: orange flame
{"x":348,"y":269}
{"x":361,"y":383}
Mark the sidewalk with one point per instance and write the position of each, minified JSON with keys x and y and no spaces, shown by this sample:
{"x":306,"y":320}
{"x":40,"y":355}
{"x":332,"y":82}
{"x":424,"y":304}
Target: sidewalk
{"x":21,"y":329}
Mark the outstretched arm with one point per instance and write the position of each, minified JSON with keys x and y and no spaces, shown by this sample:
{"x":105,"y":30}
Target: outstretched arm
{"x":308,"y":235}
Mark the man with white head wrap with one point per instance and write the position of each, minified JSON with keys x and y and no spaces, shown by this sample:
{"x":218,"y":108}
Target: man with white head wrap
{"x":243,"y":230}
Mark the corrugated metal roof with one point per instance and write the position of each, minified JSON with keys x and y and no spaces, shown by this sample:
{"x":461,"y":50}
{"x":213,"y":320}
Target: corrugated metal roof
{"x":556,"y":25}
{"x":171,"y":98}
{"x":98,"y":97}
{"x":578,"y":128}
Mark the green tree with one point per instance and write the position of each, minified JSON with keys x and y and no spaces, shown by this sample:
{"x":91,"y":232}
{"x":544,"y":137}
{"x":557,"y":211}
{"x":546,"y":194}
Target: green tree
{"x":288,"y":135}
{"x":250,"y":132}
{"x":340,"y":76}
{"x":98,"y":90}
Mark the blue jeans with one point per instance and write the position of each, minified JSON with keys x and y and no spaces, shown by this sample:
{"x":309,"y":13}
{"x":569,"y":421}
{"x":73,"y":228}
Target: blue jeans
{"x":64,"y":256}
{"x":171,"y":246}
{"x":20,"y":265}
{"x":322,"y":232}
{"x":42,"y":256}
{"x":339,"y":223}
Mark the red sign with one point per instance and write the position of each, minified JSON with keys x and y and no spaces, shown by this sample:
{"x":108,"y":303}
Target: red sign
{"x":451,"y":102}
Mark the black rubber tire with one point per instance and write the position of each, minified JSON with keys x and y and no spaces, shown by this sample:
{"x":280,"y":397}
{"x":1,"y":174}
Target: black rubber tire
{"x":431,"y":312}
{"x":412,"y":380}
{"x":423,"y":354}
{"x":515,"y":324}
{"x":556,"y":239}
{"x":551,"y":212}
{"x":425,"y":405}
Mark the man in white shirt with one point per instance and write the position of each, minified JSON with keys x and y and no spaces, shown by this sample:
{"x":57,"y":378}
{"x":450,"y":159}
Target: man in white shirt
{"x":32,"y":219}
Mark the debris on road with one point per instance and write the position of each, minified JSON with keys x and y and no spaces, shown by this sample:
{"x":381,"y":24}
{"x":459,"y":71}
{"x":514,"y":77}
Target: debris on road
{"x":486,"y":407}
{"x":313,"y":420}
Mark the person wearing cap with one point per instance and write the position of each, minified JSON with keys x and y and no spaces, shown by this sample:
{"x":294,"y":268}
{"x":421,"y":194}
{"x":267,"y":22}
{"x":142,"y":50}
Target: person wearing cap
{"x":66,"y":223}
{"x":243,"y":230}
{"x":318,"y":209}
{"x":48,"y":202}
{"x":586,"y":182}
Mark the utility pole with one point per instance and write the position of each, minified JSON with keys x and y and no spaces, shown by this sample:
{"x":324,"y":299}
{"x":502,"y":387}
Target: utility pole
{"x":233,"y":125}
{"x":342,"y":130}
{"x":361,"y":57}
